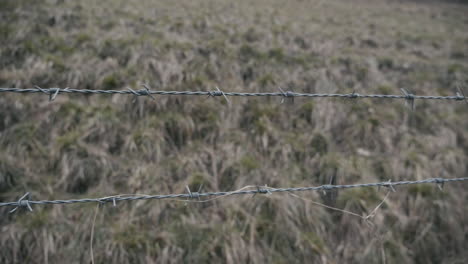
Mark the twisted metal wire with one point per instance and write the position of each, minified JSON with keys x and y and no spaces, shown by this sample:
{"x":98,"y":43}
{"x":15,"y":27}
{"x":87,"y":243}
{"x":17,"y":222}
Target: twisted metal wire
{"x":53,"y":92}
{"x":26,"y":203}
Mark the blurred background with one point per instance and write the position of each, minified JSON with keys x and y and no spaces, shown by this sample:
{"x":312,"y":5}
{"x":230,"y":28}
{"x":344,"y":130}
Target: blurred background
{"x":91,"y":146}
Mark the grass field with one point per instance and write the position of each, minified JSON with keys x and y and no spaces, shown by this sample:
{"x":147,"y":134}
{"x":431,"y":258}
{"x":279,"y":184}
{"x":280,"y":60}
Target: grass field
{"x":90,"y":146}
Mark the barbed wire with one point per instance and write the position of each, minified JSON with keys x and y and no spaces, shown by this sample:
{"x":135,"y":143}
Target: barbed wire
{"x":25,"y":201}
{"x":54,"y":92}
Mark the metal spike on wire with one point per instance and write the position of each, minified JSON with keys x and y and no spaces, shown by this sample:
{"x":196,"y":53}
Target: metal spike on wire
{"x":25,"y":202}
{"x":287,"y":94}
{"x":409,"y":97}
{"x":461,"y":94}
{"x":22,"y":202}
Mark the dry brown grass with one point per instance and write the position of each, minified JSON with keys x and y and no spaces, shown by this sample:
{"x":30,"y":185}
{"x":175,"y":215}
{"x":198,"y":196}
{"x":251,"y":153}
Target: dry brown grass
{"x":80,"y":146}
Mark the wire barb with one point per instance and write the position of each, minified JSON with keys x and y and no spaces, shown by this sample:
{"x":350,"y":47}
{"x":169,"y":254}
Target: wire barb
{"x":193,"y":195}
{"x":46,"y":91}
{"x":262,"y":190}
{"x":22,"y":202}
{"x":389,"y":185}
{"x":142,"y":92}
{"x":52,"y":97}
{"x":326,"y":188}
{"x":147,"y":91}
{"x":354,"y":95}
{"x":218,"y":92}
{"x":285,"y":95}
{"x":461,"y":95}
{"x":409,"y":98}
{"x":440,"y":183}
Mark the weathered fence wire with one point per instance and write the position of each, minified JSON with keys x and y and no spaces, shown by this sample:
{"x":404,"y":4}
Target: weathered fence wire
{"x":54,"y":92}
{"x":25,"y":202}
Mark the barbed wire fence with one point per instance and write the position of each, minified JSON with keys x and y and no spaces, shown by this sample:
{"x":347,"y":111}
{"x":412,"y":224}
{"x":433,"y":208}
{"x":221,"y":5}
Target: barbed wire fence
{"x":146,"y":91}
{"x":25,"y":202}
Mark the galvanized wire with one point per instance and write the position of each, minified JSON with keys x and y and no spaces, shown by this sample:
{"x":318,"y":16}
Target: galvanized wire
{"x":53,"y":92}
{"x":26,"y":203}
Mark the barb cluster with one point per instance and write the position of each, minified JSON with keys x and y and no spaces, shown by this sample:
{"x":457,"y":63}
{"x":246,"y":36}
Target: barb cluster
{"x":409,"y":97}
{"x":26,"y":203}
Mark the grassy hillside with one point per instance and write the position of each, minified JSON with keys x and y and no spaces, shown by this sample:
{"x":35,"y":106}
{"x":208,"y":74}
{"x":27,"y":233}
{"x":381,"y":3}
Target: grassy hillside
{"x":90,"y":146}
